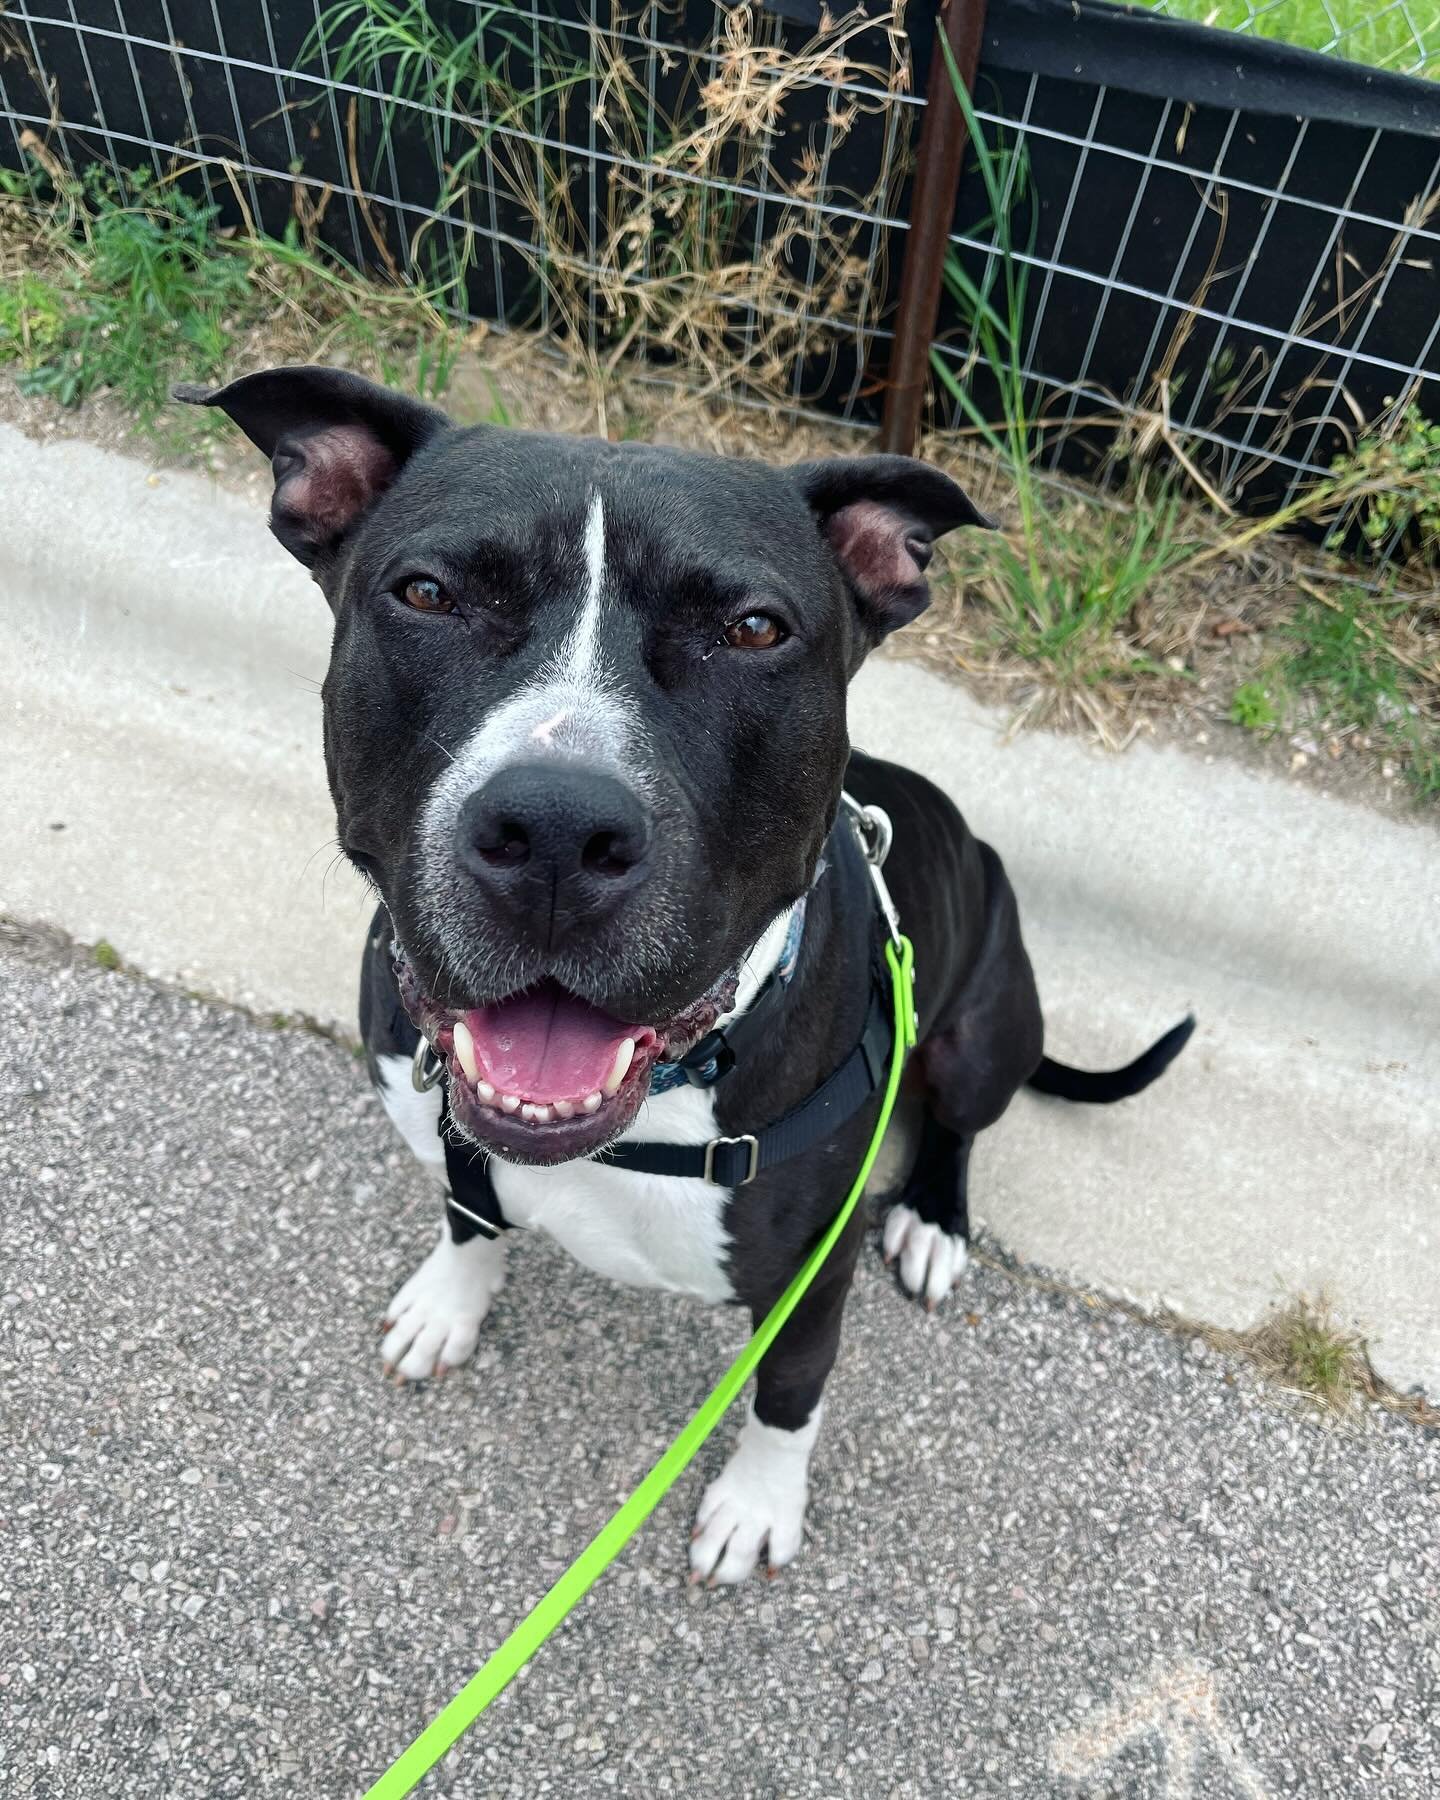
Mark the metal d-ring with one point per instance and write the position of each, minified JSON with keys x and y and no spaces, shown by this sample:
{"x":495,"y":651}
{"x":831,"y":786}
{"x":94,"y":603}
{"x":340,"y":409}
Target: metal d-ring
{"x":426,"y":1067}
{"x":873,"y":827}
{"x":875,"y":833}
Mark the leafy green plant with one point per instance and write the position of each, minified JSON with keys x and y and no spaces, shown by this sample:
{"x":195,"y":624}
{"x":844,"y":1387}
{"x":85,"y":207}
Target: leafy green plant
{"x":1252,"y":706}
{"x":151,"y":284}
{"x":1399,"y":474}
{"x":32,"y":320}
{"x":125,"y":284}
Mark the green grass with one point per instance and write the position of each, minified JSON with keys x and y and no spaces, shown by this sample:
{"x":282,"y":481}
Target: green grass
{"x":122,"y":286}
{"x":1065,"y":591}
{"x":1367,"y":32}
{"x":147,"y":289}
{"x":105,"y":956}
{"x":1062,"y":586}
{"x":1333,"y":672}
{"x":402,"y":49}
{"x":1302,"y":1346}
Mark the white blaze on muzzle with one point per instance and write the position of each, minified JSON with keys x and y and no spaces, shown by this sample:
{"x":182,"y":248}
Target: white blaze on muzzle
{"x":575,"y":706}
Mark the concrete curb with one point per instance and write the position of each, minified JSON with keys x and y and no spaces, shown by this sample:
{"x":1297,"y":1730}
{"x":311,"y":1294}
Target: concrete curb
{"x":157,"y":702}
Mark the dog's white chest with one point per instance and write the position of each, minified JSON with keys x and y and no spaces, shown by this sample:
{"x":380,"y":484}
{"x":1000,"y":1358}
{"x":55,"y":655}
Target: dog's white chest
{"x":647,"y":1230}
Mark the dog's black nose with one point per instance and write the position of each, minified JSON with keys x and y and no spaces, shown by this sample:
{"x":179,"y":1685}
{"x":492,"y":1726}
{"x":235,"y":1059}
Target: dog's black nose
{"x":557,"y":844}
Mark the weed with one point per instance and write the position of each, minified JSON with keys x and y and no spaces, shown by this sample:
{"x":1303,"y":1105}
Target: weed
{"x":1399,"y":474}
{"x":1352,"y":680}
{"x":105,"y":956}
{"x":148,"y":287}
{"x":1251,"y":705}
{"x":1334,"y":671}
{"x":1076,"y":589}
{"x":1067,"y":591}
{"x":418,"y":57}
{"x":32,"y":320}
{"x":123,"y":284}
{"x":1303,"y":1347}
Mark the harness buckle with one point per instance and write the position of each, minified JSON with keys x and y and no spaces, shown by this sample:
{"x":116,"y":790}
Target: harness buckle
{"x":745,"y":1138}
{"x":425,"y":1067}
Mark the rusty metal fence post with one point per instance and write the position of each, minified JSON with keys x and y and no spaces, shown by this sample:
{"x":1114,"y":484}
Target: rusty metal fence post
{"x":943,"y":136}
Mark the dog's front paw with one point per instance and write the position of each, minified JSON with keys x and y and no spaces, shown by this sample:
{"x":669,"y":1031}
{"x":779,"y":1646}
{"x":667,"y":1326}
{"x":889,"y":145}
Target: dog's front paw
{"x":756,"y":1503}
{"x":931,"y":1260}
{"x":433,"y":1323}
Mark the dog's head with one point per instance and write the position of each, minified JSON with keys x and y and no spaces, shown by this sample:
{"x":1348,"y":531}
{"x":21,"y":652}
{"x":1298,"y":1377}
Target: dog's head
{"x":584,"y":717}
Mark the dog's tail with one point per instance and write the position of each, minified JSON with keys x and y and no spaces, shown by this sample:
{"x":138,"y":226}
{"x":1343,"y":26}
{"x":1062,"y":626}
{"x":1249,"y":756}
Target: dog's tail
{"x":1103,"y":1085}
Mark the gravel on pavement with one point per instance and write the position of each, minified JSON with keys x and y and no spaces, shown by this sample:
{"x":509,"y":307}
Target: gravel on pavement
{"x":1051,"y":1550}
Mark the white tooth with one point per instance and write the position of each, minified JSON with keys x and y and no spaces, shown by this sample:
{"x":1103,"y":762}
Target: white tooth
{"x":564,"y":1109}
{"x":542,"y":1115}
{"x":591,"y":1103}
{"x":623,"y":1058}
{"x":485,"y":1091}
{"x":465,"y":1051}
{"x":527,"y":1111}
{"x":510,"y":1102}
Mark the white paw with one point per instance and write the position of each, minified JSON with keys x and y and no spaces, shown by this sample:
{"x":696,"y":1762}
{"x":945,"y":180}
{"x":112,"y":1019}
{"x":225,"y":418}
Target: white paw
{"x":433,"y":1323}
{"x":931,"y":1260}
{"x":756,"y":1503}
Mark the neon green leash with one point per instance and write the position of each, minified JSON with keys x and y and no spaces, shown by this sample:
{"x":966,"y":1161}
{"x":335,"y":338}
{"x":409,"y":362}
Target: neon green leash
{"x":504,"y":1663}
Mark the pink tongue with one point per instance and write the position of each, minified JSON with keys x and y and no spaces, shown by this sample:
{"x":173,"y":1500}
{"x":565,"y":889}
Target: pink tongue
{"x":546,"y":1045}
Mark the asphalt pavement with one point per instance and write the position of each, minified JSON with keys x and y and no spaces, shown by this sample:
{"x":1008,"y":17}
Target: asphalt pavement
{"x":1051,"y":1551}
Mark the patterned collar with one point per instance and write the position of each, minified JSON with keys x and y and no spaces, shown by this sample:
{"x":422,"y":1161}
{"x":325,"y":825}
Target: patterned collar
{"x":665,"y":1076}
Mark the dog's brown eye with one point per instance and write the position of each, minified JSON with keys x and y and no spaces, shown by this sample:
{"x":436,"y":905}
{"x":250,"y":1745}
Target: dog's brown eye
{"x":426,"y":595}
{"x":756,"y":631}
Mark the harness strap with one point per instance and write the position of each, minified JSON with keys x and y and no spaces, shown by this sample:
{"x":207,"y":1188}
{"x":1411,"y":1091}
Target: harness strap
{"x":734,"y":1161}
{"x":472,"y":1206}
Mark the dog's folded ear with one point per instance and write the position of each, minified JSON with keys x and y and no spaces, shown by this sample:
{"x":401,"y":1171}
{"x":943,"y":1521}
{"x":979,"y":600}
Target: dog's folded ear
{"x":881,"y":516}
{"x":335,"y":442}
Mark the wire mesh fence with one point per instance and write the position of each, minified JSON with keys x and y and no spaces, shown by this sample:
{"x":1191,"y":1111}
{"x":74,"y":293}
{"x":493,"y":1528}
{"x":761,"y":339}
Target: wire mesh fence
{"x":1226,"y":249}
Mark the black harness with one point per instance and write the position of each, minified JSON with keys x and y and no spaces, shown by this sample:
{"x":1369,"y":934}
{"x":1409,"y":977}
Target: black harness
{"x":855,"y":850}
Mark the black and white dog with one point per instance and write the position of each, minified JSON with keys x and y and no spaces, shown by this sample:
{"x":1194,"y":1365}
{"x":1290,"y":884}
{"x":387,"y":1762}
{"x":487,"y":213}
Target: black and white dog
{"x":585,"y":726}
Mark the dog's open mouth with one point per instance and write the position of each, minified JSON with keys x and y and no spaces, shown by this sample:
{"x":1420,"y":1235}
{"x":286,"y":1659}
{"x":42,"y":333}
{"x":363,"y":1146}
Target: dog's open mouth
{"x":543,"y":1075}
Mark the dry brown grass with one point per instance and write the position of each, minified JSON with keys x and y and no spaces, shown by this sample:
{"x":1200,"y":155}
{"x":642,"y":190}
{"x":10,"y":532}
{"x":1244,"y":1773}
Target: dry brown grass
{"x":742,"y":295}
{"x":1302,"y":1349}
{"x":706,"y":250}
